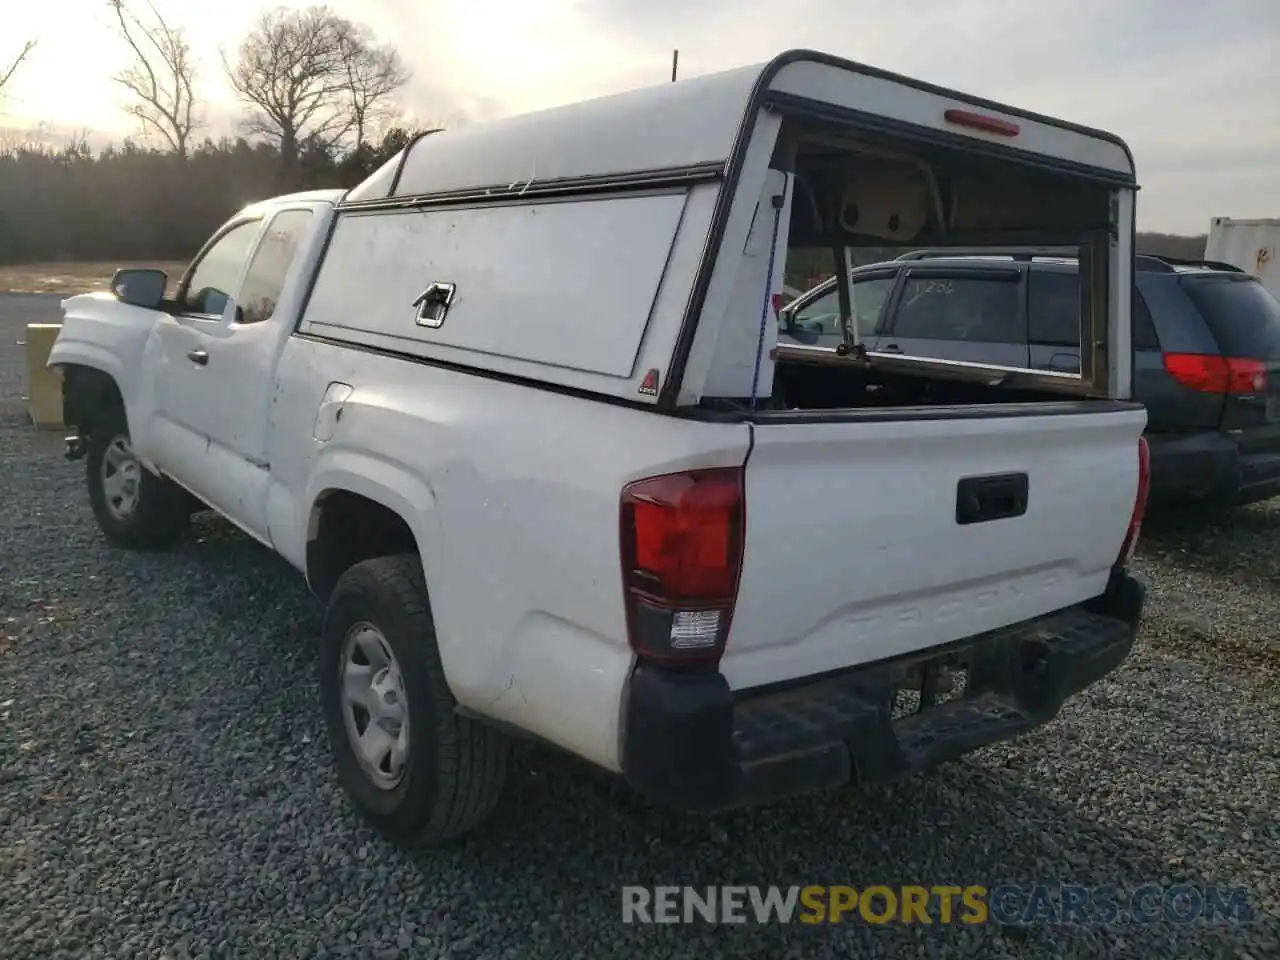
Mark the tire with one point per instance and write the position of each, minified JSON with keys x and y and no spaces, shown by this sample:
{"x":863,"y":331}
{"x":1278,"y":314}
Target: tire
{"x":154,"y":515}
{"x":447,"y":776}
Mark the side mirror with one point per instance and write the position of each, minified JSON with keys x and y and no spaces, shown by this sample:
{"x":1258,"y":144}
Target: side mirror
{"x":140,"y":288}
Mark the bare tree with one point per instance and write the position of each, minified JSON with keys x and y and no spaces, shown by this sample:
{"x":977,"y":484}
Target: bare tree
{"x":290,"y":71}
{"x":313,"y":79}
{"x":6,"y":73}
{"x":161,"y":80}
{"x":374,"y":72}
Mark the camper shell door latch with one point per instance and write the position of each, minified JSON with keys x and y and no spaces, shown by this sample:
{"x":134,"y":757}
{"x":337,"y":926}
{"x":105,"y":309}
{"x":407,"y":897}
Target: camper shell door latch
{"x":433,"y":303}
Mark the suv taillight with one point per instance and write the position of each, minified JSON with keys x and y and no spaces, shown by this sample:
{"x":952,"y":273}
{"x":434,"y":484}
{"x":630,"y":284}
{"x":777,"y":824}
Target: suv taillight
{"x":1211,"y":373}
{"x":1139,"y":504}
{"x":682,"y":540}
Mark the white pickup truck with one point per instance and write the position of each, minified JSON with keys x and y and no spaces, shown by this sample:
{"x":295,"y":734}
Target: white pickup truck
{"x":516,"y":408}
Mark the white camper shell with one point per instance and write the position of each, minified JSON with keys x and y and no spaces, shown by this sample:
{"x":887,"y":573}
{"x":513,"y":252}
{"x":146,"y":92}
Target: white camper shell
{"x":652,"y":285}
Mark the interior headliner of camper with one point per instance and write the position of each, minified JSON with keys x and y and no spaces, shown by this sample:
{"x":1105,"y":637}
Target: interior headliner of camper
{"x":856,"y":188}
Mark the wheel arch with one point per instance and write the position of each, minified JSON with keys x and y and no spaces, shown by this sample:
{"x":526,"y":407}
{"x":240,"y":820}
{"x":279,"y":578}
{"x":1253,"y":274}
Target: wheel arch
{"x":361,"y":507}
{"x":87,"y":391}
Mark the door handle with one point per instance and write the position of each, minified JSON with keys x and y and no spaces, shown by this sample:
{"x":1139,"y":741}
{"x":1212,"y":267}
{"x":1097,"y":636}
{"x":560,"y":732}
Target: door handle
{"x":199,"y":355}
{"x":981,"y":499}
{"x":889,"y":348}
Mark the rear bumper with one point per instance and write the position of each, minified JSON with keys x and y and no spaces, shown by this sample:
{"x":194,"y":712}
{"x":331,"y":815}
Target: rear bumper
{"x":689,"y":742}
{"x":1211,"y":466}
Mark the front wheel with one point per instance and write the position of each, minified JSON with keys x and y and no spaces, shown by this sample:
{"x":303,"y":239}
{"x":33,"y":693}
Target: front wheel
{"x":134,"y":507}
{"x":414,"y":768}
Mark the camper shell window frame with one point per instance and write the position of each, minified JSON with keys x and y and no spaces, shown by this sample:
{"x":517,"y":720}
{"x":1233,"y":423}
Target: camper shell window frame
{"x":1097,"y":377}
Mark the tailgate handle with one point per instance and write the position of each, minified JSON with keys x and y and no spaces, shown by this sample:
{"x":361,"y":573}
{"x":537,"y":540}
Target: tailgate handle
{"x":997,"y":497}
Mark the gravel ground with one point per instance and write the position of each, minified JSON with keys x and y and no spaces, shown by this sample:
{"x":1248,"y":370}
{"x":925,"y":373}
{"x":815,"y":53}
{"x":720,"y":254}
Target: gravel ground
{"x":165,"y":790}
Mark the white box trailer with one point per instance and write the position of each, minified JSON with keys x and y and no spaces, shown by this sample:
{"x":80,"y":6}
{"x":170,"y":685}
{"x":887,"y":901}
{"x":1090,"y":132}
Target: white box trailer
{"x":1251,"y":245}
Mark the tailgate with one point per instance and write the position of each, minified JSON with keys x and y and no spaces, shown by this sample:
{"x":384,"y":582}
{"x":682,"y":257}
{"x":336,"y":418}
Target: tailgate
{"x":855,"y":551}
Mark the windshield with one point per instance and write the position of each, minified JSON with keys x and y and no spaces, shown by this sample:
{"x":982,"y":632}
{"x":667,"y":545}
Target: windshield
{"x":1244,"y":317}
{"x":821,"y":317}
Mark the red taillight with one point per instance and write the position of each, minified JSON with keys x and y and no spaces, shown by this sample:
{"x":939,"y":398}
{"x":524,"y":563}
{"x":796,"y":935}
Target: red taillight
{"x":682,"y":538}
{"x":777,"y":304}
{"x":979,"y":121}
{"x":1139,"y":504}
{"x":1211,"y":373}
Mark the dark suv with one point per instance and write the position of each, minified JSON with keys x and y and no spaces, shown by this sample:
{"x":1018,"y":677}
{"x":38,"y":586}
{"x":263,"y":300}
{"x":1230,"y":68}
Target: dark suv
{"x":1206,"y":342}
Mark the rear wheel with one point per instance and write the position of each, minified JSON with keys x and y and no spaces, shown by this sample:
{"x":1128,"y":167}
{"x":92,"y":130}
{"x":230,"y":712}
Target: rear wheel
{"x":416,"y":770}
{"x":134,"y":507}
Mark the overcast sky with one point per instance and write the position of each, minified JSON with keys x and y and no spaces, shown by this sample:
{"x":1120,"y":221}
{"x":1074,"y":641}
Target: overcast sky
{"x":1194,"y":89}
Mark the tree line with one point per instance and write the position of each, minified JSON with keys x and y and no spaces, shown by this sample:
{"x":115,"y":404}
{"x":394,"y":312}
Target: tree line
{"x":318,"y":93}
{"x":319,"y":98}
{"x":131,"y":203}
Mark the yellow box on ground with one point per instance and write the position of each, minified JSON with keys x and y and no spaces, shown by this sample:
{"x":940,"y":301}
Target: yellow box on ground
{"x":44,"y":386}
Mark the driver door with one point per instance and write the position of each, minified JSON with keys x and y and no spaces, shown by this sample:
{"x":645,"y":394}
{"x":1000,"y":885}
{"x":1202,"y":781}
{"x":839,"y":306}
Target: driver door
{"x":177,"y":355}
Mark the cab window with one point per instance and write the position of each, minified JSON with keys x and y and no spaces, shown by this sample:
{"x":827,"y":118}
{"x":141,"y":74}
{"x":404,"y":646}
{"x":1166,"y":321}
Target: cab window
{"x":272,"y":261}
{"x":216,"y":274}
